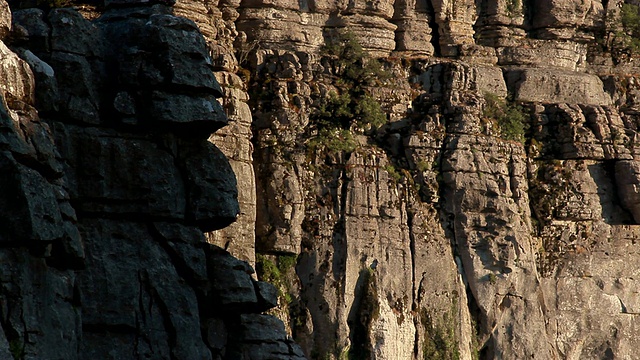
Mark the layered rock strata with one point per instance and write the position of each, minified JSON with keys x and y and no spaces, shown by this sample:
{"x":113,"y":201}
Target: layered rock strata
{"x":440,"y":236}
{"x":446,"y":233}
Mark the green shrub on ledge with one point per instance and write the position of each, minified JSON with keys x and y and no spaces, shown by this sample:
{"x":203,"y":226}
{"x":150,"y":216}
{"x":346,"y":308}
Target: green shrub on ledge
{"x":630,"y":21}
{"x":351,"y":105}
{"x":510,"y":117}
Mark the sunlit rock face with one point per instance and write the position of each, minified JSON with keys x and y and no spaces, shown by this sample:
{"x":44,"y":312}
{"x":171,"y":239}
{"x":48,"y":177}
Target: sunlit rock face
{"x":441,"y":234}
{"x":493,"y":215}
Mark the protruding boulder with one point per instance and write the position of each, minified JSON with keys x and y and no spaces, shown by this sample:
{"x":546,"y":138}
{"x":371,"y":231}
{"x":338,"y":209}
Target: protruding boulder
{"x":161,"y":61}
{"x":211,"y":187}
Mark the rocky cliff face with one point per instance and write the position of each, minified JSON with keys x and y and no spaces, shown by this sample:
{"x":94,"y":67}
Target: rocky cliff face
{"x":466,"y":226}
{"x":444,"y":234}
{"x":107,"y":183}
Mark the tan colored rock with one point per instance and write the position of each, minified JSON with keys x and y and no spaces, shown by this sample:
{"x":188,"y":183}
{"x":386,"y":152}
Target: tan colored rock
{"x":599,"y":279}
{"x":381,"y":8}
{"x":17,"y":87}
{"x":463,"y":77}
{"x":559,"y":19}
{"x":478,"y":54}
{"x":539,"y":284}
{"x":199,"y":12}
{"x":455,"y":21}
{"x":374,"y":33}
{"x":217,"y":24}
{"x":500,"y":23}
{"x":5,"y":19}
{"x":562,"y":54}
{"x":414,"y":27}
{"x":298,"y":26}
{"x":556,"y":86}
{"x":235,"y":142}
{"x":413,"y":36}
{"x":488,"y":202}
{"x":282,"y":28}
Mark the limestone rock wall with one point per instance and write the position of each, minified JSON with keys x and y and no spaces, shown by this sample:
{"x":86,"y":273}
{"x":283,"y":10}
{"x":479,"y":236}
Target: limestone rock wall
{"x":439,"y":235}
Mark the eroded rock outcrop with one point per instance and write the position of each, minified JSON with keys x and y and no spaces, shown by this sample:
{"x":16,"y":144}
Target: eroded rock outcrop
{"x":493,"y":215}
{"x":499,"y":234}
{"x":108,"y":182}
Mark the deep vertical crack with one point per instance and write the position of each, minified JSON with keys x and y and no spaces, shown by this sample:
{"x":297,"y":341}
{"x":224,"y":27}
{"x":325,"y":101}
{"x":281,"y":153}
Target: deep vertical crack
{"x":435,"y":29}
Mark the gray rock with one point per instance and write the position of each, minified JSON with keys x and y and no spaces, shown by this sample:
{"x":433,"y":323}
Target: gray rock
{"x":101,"y":256}
{"x":147,"y":285}
{"x":47,"y":97}
{"x":37,"y":30}
{"x":217,"y":334}
{"x":185,"y":247}
{"x":11,"y":137}
{"x":261,"y":337}
{"x":46,"y":158}
{"x":210,"y":185}
{"x":232,"y":286}
{"x":72,"y":33}
{"x":262,"y":328}
{"x":267,"y":295}
{"x":124,"y":103}
{"x":138,"y":177}
{"x":163,"y":59}
{"x":29,"y":209}
{"x":41,"y":312}
{"x":78,"y":95}
{"x":203,"y":114}
{"x":627,"y":176}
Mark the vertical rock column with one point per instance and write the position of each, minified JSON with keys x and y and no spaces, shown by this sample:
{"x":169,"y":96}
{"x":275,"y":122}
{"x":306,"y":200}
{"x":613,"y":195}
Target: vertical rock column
{"x":40,"y":243}
{"x":132,"y":102}
{"x":486,"y":212}
{"x":413,"y":34}
{"x":455,"y":19}
{"x":234,"y":140}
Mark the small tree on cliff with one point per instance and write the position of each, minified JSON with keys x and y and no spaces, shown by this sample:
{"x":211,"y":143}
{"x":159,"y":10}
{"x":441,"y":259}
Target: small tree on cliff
{"x":630,"y":21}
{"x":351,"y":104}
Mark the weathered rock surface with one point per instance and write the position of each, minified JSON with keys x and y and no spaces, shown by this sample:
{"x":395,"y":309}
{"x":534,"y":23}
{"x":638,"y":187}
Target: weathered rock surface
{"x":549,"y":86}
{"x":450,"y":232}
{"x":440,"y":236}
{"x":107,"y":184}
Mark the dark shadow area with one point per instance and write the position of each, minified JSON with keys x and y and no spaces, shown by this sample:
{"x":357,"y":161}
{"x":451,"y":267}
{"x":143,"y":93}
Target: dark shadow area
{"x":435,"y":29}
{"x":604,"y":176}
{"x":364,"y":311}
